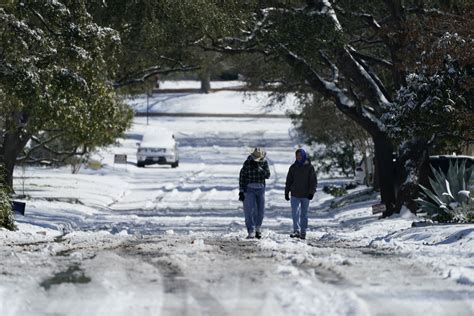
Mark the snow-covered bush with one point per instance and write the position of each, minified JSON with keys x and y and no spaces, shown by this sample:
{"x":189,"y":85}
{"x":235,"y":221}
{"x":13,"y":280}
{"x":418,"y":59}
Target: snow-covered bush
{"x":335,"y":190}
{"x":433,"y":106}
{"x":339,"y":190}
{"x":336,"y":158}
{"x":450,"y":198}
{"x":6,"y":217}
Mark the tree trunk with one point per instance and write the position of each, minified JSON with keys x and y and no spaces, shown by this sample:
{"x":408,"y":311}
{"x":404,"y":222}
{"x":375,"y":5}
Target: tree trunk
{"x":206,"y":81}
{"x":366,"y":169}
{"x":12,"y":146}
{"x":412,"y":170}
{"x":375,"y":179}
{"x":8,"y":176}
{"x":385,"y":168}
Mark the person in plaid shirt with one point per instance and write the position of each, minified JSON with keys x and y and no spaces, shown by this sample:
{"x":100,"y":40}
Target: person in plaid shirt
{"x":252,"y":178}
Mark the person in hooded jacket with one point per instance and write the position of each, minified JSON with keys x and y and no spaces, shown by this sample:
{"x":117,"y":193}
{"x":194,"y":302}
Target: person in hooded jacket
{"x":252,"y":178}
{"x":301,"y":182}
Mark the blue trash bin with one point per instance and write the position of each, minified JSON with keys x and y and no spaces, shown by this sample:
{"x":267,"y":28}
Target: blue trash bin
{"x":18,"y":207}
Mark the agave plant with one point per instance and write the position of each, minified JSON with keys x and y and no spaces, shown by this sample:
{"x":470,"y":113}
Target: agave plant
{"x":450,"y":197}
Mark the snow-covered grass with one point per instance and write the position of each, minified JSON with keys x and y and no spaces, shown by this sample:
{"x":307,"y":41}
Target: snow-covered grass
{"x":156,"y":240}
{"x":193,"y":84}
{"x":222,"y":102}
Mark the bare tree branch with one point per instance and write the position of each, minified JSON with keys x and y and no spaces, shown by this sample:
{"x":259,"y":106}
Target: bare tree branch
{"x":43,"y":21}
{"x":214,"y":47}
{"x":335,"y":70}
{"x":369,"y":20}
{"x":366,"y":41}
{"x":430,"y":12}
{"x":365,"y":82}
{"x":143,"y":75}
{"x":41,"y":144}
{"x":330,"y":90}
{"x":372,"y":74}
{"x":372,"y":59}
{"x":356,"y":100}
{"x":65,"y":155}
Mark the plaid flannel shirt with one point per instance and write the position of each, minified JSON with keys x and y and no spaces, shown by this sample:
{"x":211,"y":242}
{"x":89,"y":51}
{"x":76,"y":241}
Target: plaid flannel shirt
{"x":253,"y":172}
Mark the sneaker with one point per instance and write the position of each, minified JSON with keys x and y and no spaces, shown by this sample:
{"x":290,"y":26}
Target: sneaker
{"x":258,"y":234}
{"x":251,"y":235}
{"x":295,"y":234}
{"x":303,"y":236}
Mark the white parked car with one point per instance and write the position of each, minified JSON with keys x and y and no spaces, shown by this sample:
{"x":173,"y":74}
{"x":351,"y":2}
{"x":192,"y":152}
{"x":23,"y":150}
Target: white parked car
{"x":158,"y":146}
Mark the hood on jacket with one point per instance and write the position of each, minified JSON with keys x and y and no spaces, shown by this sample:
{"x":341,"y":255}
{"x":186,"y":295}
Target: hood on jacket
{"x":303,"y":156}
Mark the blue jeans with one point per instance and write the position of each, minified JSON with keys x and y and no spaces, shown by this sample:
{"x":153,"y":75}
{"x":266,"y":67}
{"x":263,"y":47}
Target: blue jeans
{"x":299,"y":211}
{"x":254,"y":208}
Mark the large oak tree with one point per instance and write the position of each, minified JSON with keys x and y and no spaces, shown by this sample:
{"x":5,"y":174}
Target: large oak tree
{"x":356,"y":54}
{"x":55,"y":71}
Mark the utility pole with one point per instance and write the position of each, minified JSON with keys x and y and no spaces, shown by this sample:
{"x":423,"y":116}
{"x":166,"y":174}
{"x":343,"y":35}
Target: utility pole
{"x":147,"y":105}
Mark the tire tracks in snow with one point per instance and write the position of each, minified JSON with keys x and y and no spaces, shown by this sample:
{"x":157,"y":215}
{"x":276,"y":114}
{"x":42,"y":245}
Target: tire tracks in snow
{"x":179,"y":184}
{"x":251,"y":250}
{"x":184,"y":297}
{"x":370,"y":278}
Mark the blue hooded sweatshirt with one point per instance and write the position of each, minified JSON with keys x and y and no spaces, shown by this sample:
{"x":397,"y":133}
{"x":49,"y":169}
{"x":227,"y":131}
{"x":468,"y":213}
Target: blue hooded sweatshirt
{"x":303,"y":155}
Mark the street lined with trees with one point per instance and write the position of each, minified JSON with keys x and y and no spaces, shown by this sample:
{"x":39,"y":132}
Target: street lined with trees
{"x":63,"y":63}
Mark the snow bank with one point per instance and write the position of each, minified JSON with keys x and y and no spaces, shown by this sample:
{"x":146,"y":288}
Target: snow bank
{"x":447,"y":248}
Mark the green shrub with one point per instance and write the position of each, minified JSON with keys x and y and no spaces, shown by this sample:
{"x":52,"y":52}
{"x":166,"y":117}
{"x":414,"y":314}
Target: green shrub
{"x":449,"y":200}
{"x":94,"y":164}
{"x":6,"y":217}
{"x":335,"y":190}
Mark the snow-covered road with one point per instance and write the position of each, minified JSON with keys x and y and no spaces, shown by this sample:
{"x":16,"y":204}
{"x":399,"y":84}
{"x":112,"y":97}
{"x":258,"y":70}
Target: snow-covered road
{"x":124,"y":240}
{"x":216,"y":274}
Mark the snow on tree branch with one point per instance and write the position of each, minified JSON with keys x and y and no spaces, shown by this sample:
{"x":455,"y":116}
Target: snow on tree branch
{"x":328,"y":87}
{"x":335,"y":70}
{"x":40,"y":144}
{"x":370,"y":87}
{"x":143,"y":75}
{"x":361,"y":114}
{"x":374,"y":60}
{"x":328,"y":10}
